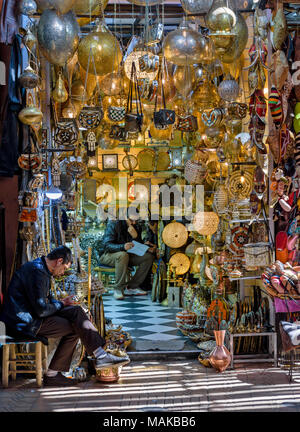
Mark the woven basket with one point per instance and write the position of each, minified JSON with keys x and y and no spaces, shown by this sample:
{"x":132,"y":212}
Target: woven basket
{"x":180,"y":262}
{"x":175,"y":235}
{"x":195,"y":172}
{"x":257,"y":255}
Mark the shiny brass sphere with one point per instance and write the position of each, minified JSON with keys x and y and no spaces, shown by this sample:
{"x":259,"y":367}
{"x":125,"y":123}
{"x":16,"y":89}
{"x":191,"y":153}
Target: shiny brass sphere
{"x":103,"y":47}
{"x":30,"y":115}
{"x":184,"y":46}
{"x":235,"y":50}
{"x":58,"y":36}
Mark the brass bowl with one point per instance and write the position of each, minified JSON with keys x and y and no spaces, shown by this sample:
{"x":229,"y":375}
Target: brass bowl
{"x":110,"y":374}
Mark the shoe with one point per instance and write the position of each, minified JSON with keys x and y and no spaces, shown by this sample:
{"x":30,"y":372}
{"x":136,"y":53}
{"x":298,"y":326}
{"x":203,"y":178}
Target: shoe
{"x":128,"y":292}
{"x":111,"y":360}
{"x":139,"y":292}
{"x":59,"y":380}
{"x":118,"y":295}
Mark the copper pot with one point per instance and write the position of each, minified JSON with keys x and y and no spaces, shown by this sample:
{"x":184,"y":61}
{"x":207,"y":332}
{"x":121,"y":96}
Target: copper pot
{"x":220,"y":357}
{"x":110,"y":374}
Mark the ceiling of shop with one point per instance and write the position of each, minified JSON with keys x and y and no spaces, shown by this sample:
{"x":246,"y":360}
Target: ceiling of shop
{"x":125,"y":18}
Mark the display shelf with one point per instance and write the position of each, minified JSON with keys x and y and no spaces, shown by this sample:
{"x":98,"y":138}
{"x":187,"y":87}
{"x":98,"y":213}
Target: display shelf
{"x":244,"y":278}
{"x":246,"y":220}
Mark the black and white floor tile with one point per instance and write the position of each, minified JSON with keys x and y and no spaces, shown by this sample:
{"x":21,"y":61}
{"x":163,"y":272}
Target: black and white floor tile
{"x":142,"y":318}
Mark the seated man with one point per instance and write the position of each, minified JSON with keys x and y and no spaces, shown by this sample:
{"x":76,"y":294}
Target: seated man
{"x":117,"y":240}
{"x":29,"y":310}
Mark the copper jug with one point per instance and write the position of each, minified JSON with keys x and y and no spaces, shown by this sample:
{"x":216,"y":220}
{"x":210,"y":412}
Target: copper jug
{"x":220,"y":357}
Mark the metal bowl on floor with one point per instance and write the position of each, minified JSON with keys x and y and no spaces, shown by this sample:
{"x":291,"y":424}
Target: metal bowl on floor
{"x":110,"y":374}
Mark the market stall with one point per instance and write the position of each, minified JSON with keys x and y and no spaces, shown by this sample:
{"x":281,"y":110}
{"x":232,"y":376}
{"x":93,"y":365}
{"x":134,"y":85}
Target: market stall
{"x":189,"y":112}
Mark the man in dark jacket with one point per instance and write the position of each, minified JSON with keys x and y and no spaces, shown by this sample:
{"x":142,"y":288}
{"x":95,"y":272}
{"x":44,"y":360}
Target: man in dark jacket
{"x":117,"y":241}
{"x":29,"y":310}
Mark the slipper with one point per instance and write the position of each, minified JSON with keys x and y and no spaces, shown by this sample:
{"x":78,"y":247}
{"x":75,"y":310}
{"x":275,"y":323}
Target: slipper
{"x":291,"y":242}
{"x":281,"y":246}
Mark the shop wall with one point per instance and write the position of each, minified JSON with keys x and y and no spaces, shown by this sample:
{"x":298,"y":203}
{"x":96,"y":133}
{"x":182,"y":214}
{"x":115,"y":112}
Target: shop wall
{"x":9,"y":197}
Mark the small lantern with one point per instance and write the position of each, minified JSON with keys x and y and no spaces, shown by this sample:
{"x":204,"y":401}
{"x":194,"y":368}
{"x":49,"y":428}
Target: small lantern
{"x":176,"y":156}
{"x":206,"y":223}
{"x":93,"y":162}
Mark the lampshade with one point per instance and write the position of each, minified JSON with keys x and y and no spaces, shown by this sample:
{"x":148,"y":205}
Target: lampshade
{"x":206,"y":223}
{"x":54,"y":193}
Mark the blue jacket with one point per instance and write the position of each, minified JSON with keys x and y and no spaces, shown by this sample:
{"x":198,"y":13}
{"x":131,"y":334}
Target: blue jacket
{"x":29,"y":300}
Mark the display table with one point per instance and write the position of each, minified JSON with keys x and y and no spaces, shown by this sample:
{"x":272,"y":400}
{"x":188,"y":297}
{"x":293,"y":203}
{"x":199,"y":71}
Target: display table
{"x":254,"y":358}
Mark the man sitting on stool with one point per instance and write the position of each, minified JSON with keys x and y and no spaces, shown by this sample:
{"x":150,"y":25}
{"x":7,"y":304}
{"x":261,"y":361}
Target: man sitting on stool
{"x":117,"y":240}
{"x":30,"y":310}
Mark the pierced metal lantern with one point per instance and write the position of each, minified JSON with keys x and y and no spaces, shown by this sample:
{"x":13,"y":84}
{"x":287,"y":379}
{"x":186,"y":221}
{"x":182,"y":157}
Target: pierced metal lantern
{"x":58,"y":36}
{"x":229,"y":89}
{"x":29,"y":79}
{"x":61,"y":6}
{"x":206,"y":223}
{"x":196,"y":6}
{"x":28,"y":7}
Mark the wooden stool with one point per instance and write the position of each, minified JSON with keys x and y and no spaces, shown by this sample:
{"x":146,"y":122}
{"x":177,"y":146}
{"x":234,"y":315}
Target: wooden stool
{"x":11,"y":359}
{"x":105,"y":272}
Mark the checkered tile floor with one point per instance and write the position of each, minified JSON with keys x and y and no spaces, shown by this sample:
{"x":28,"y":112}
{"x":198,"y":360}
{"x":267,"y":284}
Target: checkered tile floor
{"x":142,"y":318}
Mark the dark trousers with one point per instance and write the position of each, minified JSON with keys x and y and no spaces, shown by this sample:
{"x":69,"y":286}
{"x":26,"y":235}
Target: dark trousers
{"x":70,"y":323}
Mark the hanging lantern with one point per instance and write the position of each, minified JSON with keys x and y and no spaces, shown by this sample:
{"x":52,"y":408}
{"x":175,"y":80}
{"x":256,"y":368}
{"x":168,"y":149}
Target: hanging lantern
{"x":221,"y":199}
{"x":89,"y":81}
{"x":184,"y":46}
{"x":196,"y":6}
{"x":206,"y":96}
{"x":100,"y":49}
{"x":206,"y":223}
{"x":201,"y":75}
{"x":235,"y":50}
{"x":61,"y":6}
{"x":229,"y":89}
{"x":29,"y":38}
{"x":221,"y":17}
{"x":29,"y":79}
{"x":93,"y":162}
{"x":111,"y":84}
{"x":88,"y":6}
{"x":30,"y":115}
{"x":58,"y":36}
{"x":184,"y":79}
{"x":28,"y":7}
{"x":78,"y":92}
{"x":176,"y":156}
{"x":60,"y":94}
{"x":221,"y":20}
{"x":69,"y":110}
{"x":195,"y":172}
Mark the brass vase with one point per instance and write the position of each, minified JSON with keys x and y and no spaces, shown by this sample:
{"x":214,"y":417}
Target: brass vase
{"x":220,"y":357}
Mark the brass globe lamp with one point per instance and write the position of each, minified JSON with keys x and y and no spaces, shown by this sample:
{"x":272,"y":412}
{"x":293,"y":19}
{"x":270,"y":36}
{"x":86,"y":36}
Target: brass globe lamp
{"x":100,"y":51}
